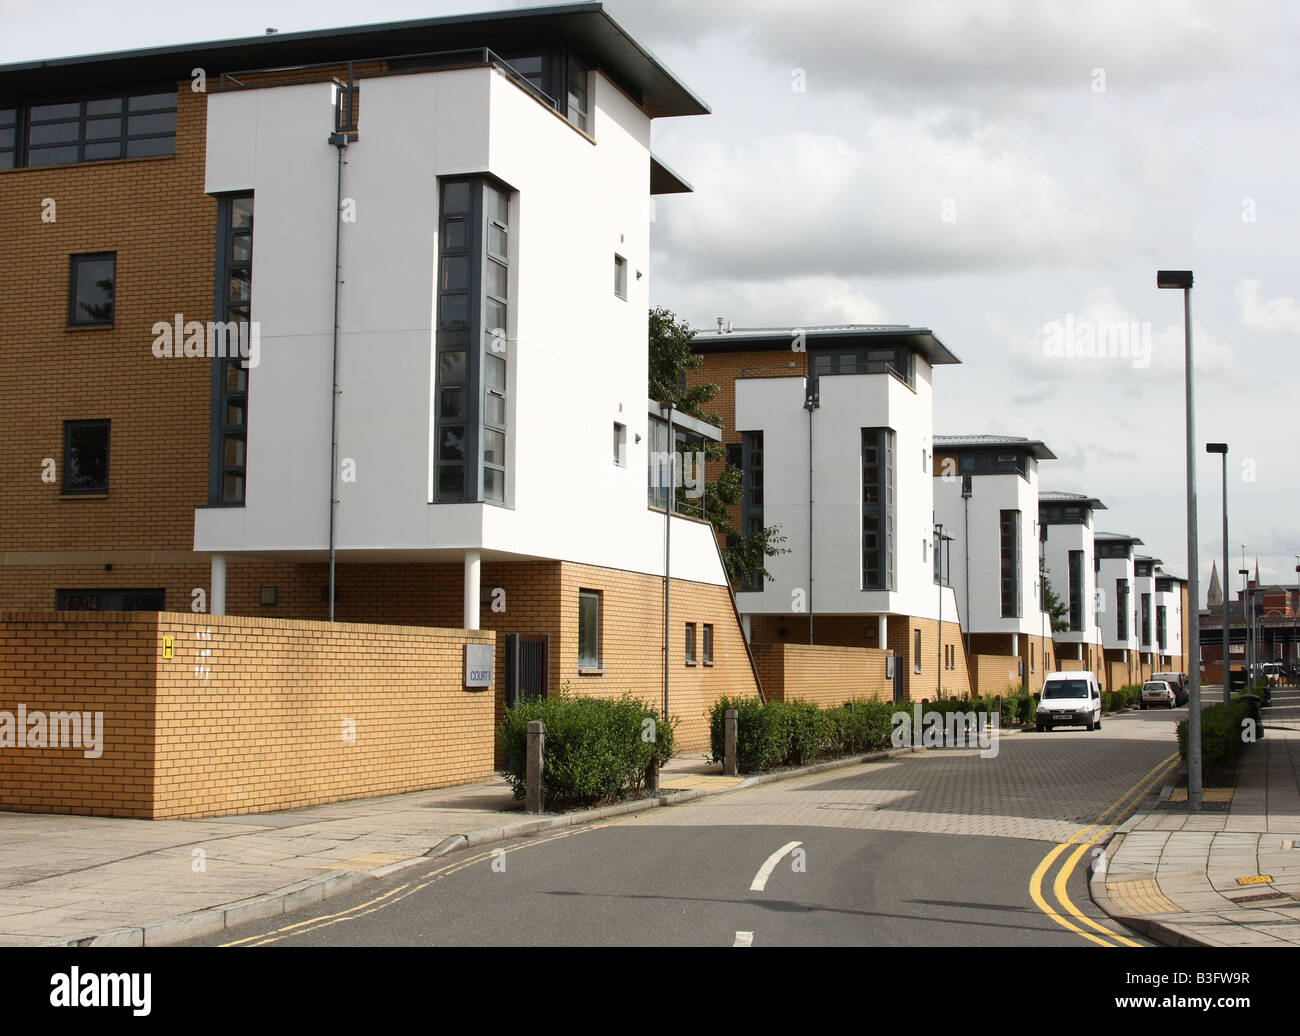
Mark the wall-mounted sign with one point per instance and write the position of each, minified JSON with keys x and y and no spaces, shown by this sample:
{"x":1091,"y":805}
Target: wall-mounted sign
{"x":479,"y":659}
{"x":169,"y":647}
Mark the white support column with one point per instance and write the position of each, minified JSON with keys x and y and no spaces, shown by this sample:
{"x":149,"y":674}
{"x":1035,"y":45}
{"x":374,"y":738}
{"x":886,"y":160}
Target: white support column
{"x":472,"y":567}
{"x":217,"y":592}
{"x":1015,"y":643}
{"x":883,"y":631}
{"x":748,"y":629}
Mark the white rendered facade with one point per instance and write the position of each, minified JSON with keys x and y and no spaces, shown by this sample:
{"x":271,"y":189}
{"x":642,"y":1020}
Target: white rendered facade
{"x":1060,"y":540}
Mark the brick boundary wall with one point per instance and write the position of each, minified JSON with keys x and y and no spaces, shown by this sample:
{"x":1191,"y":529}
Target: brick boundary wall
{"x":248,"y":715}
{"x":823,"y":674}
{"x":993,"y":674}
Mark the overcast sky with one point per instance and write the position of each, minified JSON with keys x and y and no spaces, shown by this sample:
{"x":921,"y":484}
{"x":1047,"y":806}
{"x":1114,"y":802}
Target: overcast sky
{"x":1008,"y":173}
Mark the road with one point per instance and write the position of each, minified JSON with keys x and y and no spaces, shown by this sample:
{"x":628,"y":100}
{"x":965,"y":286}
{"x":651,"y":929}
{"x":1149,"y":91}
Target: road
{"x":943,"y":848}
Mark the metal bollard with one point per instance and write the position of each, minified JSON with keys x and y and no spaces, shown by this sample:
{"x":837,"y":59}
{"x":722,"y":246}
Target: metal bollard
{"x":533,"y":795}
{"x":730,"y":722}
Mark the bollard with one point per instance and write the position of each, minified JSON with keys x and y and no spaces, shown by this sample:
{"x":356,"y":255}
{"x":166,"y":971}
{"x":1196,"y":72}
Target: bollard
{"x":729,"y":724}
{"x":533,"y":796}
{"x":652,"y":777}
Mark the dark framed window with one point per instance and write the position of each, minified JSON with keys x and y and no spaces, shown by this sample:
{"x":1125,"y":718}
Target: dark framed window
{"x":690,"y":644}
{"x":8,"y":137}
{"x":232,"y":304}
{"x":1146,"y":619}
{"x":85,"y":457}
{"x":706,"y":643}
{"x":620,"y":277}
{"x":897,"y":360}
{"x":751,"y":499}
{"x":1121,"y":609}
{"x":110,"y":600}
{"x":1112,"y":549}
{"x":1063,"y":514}
{"x":1076,"y":590}
{"x":1010,"y":564}
{"x":916,"y":651}
{"x":878,"y":509}
{"x":473,"y":345}
{"x":620,"y":444}
{"x":589,"y":629}
{"x":1161,"y":628}
{"x":92,"y":286}
{"x":576,"y":93}
{"x":93,"y":129}
{"x":993,"y":462}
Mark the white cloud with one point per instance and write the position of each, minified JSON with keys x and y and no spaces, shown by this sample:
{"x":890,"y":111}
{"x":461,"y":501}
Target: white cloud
{"x":779,"y":302}
{"x":1268,"y":316}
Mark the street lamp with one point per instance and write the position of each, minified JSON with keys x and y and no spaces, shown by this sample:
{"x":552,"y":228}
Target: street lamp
{"x":1221,"y":448}
{"x":1182,"y":280}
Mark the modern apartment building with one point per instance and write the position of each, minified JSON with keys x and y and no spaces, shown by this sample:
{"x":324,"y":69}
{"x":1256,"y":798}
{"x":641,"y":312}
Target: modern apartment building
{"x":353,"y":324}
{"x":1069,"y":564}
{"x":986,"y":502}
{"x":1171,"y":622}
{"x":1119,"y":609}
{"x":833,"y":430}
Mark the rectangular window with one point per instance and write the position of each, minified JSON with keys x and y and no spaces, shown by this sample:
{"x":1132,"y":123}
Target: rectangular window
{"x":690,"y":643}
{"x":1031,"y":656}
{"x":90,"y":130}
{"x":8,"y":137}
{"x":1076,"y":590}
{"x":589,"y":629}
{"x":878,"y":509}
{"x":472,"y":401}
{"x":751,"y":502}
{"x":1121,"y":609}
{"x":659,"y":465}
{"x":92,"y":287}
{"x":706,"y":643}
{"x":1160,"y":627}
{"x":1010,"y":534}
{"x":620,"y":277}
{"x":576,"y":89}
{"x":85,"y":457}
{"x":916,"y":651}
{"x":620,"y":444}
{"x":1146,"y":620}
{"x":232,"y":304}
{"x":110,"y":600}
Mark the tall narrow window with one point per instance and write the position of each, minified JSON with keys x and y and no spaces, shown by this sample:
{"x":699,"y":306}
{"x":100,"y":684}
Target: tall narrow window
{"x":8,"y":137}
{"x":576,"y":90}
{"x":1121,"y":609}
{"x":1010,"y":569}
{"x":1146,"y":619}
{"x":706,"y":643}
{"x":620,"y":277}
{"x":231,"y":305}
{"x":916,"y":651}
{"x":92,"y":289}
{"x":877,"y":509}
{"x":620,"y":444}
{"x":85,"y":457}
{"x":690,"y":643}
{"x":588,"y":629}
{"x":752,"y":496}
{"x":1076,"y":590}
{"x":1160,"y":627}
{"x":472,"y":403}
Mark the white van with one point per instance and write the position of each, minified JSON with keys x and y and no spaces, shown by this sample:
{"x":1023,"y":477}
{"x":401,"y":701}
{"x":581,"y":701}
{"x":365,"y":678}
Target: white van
{"x":1069,"y":700}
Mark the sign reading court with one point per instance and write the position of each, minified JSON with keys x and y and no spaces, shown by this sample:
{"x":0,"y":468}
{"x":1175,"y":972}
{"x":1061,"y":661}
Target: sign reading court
{"x":479,"y":662}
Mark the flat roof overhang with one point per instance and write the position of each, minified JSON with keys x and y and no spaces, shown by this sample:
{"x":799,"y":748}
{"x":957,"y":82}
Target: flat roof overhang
{"x":921,"y":339}
{"x":584,"y":26}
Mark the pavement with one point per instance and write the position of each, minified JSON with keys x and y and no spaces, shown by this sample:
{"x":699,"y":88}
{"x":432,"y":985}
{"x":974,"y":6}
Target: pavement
{"x":100,"y":881}
{"x":1228,"y":875}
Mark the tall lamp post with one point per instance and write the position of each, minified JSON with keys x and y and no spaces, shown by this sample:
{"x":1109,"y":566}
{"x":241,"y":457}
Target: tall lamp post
{"x":1182,"y":280}
{"x":1221,"y":448}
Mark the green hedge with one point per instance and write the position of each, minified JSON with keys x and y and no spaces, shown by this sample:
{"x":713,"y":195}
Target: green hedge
{"x":596,"y":749}
{"x":1221,"y":733}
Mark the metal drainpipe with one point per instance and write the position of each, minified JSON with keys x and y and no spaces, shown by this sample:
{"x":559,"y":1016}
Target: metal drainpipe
{"x":810,"y":405}
{"x":339,"y":139}
{"x":668,"y":540}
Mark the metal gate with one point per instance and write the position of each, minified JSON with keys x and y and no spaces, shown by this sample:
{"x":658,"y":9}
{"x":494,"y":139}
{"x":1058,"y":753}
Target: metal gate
{"x":527,"y":666}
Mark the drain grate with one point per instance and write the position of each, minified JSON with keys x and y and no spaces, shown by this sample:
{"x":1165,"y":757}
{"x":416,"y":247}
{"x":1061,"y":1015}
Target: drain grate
{"x":1259,"y":898}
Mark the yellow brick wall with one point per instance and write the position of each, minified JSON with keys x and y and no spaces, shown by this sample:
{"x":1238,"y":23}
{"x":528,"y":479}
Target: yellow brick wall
{"x":248,"y":715}
{"x":823,"y":674}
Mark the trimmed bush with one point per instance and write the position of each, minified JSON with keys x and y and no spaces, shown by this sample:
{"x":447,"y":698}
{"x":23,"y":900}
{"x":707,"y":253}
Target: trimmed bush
{"x":1221,"y":733}
{"x":596,"y":748}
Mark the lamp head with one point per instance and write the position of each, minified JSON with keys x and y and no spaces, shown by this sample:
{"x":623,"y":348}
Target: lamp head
{"x":1174,"y":279}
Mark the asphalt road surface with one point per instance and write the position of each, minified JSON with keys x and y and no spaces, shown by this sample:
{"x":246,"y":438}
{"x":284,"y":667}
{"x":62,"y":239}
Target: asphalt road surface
{"x":942,"y":848}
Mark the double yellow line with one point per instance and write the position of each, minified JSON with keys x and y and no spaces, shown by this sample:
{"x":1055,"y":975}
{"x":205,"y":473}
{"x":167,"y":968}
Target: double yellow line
{"x":400,"y":893}
{"x":1084,"y":839}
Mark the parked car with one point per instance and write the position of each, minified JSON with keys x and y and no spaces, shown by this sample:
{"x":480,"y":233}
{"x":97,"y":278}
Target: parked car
{"x":1069,"y":700}
{"x":1273,"y":672}
{"x":1178,"y":681}
{"x":1158,"y":692}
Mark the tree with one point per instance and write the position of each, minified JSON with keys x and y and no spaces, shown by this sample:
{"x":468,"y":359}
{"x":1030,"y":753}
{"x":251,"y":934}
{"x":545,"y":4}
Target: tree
{"x":671,"y":358}
{"x":1056,"y":609}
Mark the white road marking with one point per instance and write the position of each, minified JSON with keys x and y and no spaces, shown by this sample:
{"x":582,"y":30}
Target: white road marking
{"x":769,"y":865}
{"x":744,"y":939}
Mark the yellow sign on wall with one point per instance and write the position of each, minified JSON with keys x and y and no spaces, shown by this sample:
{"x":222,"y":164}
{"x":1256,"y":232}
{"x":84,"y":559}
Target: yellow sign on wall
{"x":169,"y":647}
